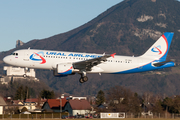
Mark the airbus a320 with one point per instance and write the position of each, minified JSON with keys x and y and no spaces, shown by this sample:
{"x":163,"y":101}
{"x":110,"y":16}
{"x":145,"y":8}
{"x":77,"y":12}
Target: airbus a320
{"x":68,"y":63}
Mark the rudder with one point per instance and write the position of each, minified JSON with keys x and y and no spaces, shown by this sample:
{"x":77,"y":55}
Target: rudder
{"x":160,"y":48}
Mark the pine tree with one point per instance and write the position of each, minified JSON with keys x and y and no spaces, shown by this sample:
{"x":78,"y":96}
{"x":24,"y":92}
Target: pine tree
{"x":100,"y":98}
{"x":47,"y":94}
{"x":19,"y":93}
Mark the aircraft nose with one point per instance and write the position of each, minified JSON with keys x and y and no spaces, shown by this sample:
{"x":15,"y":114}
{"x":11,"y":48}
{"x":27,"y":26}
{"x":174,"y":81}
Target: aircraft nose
{"x":6,"y":59}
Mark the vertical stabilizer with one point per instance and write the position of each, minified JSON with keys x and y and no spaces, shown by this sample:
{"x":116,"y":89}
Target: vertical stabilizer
{"x":159,"y":50}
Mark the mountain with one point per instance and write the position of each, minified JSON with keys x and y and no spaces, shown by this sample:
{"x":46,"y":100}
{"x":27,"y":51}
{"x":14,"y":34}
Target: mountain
{"x":128,"y":28}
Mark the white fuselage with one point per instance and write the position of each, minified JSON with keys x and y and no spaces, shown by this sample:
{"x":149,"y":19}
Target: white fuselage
{"x":28,"y":58}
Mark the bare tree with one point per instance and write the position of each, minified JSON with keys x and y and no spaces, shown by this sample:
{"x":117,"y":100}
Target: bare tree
{"x":123,"y":100}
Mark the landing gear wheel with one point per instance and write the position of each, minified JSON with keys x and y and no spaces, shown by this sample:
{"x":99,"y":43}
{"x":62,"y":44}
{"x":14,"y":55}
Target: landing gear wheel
{"x":85,"y":78}
{"x":81,"y":80}
{"x":24,"y":75}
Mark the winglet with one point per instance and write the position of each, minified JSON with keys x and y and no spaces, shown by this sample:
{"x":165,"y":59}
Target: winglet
{"x":112,"y":55}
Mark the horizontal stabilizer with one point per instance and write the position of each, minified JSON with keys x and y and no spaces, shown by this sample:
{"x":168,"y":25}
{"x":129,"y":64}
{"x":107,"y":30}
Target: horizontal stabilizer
{"x":162,"y":63}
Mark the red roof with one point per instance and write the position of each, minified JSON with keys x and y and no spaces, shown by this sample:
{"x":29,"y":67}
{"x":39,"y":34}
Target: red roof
{"x":80,"y":104}
{"x":56,"y":102}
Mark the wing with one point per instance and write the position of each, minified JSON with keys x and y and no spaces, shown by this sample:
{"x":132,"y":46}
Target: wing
{"x":88,"y":64}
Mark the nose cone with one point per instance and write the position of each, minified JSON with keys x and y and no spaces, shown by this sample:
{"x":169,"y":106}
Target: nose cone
{"x":6,"y":60}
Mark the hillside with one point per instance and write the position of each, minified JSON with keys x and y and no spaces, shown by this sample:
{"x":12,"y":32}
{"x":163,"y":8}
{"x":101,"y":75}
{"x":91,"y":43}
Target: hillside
{"x":128,"y":28}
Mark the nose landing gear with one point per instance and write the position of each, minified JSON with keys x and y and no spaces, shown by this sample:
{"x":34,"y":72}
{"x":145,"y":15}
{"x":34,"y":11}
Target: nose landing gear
{"x":25,"y":71}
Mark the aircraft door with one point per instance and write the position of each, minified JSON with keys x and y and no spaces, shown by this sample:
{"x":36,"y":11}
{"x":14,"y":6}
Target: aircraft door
{"x":26,"y":55}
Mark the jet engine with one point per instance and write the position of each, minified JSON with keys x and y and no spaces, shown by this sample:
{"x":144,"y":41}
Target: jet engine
{"x":63,"y":69}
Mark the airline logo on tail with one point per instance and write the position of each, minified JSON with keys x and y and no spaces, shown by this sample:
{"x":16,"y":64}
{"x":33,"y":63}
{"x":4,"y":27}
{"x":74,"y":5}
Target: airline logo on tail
{"x":38,"y":57}
{"x":157,"y":49}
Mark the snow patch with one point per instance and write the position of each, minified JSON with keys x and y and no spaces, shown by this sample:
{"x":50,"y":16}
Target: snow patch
{"x":163,"y":15}
{"x":144,"y":33}
{"x":161,"y":25}
{"x":144,"y":18}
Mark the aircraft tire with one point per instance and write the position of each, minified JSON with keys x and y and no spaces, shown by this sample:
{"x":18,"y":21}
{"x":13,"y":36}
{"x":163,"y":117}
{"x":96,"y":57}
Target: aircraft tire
{"x":24,"y":75}
{"x":85,"y":78}
{"x":81,"y":80}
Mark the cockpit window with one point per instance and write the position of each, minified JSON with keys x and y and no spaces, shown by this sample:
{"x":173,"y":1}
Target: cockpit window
{"x":15,"y":54}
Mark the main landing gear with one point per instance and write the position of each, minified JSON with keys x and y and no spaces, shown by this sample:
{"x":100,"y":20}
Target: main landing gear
{"x":83,"y":78}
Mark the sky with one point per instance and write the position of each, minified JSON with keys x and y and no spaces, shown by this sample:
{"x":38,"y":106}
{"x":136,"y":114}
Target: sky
{"x":26,"y":20}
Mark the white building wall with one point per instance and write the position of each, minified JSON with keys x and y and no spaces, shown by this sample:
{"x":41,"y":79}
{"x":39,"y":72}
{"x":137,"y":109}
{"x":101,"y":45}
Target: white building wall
{"x":80,"y":112}
{"x":18,"y":71}
{"x":79,"y":98}
{"x":1,"y":110}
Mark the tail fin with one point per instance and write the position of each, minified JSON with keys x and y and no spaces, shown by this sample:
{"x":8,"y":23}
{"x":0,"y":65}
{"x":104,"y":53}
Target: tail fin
{"x":160,"y":48}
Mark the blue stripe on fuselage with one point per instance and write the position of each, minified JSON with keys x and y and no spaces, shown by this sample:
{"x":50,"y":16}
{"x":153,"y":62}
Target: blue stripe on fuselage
{"x":147,"y":67}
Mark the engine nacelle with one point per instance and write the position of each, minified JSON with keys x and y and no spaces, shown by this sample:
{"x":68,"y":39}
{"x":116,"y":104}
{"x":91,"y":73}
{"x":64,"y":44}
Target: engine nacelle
{"x":63,"y":69}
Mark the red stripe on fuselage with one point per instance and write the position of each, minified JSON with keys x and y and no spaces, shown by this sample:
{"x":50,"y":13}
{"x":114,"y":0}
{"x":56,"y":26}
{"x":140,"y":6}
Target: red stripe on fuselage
{"x":43,"y":60}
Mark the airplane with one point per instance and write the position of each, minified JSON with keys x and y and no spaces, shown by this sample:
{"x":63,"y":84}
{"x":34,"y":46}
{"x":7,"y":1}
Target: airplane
{"x":68,"y":63}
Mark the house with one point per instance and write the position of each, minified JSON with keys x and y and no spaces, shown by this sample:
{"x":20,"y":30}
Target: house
{"x":103,"y":106}
{"x":39,"y":102}
{"x":54,"y":105}
{"x":17,"y":102}
{"x":78,"y":106}
{"x":2,"y":104}
{"x":7,"y":106}
{"x":147,"y":109}
{"x":11,"y":109}
{"x":32,"y":104}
